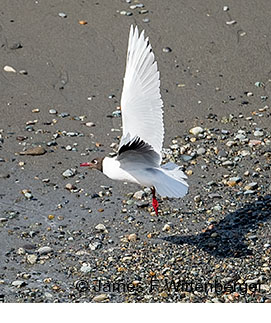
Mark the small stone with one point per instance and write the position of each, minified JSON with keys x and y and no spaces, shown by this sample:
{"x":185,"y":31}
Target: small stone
{"x":21,"y":251}
{"x":217,"y":208}
{"x":31,"y":259}
{"x":16,"y":46}
{"x":259,"y":84}
{"x":51,"y":216}
{"x":139,"y":195}
{"x":2,"y":220}
{"x":86,"y":268}
{"x":233,"y":181}
{"x":9,"y":69}
{"x":167,"y":50}
{"x":90,"y":124}
{"x":52,"y":111}
{"x":189,"y":172}
{"x":69,"y":173}
{"x":196,"y":131}
{"x":83,"y":22}
{"x":36,"y":151}
{"x":254,"y":142}
{"x":251,"y":186}
{"x":232,"y":22}
{"x":230,"y":143}
{"x":95,"y":245}
{"x":70,"y":187}
{"x":258,"y":133}
{"x":64,"y":114}
{"x":62,"y":15}
{"x":225,"y":8}
{"x":116,"y":113}
{"x":201,"y":151}
{"x":101,"y":227}
{"x":166,"y":227}
{"x":132,"y":237}
{"x":197,"y":198}
{"x":44,"y":250}
{"x":23,"y":72}
{"x":18,"y":283}
{"x":36,"y":110}
{"x":100,"y":298}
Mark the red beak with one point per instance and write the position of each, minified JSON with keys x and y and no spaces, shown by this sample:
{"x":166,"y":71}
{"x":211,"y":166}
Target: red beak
{"x":85,"y":164}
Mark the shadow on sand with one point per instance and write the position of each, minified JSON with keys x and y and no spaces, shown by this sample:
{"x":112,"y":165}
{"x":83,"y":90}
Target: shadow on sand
{"x":226,"y":238}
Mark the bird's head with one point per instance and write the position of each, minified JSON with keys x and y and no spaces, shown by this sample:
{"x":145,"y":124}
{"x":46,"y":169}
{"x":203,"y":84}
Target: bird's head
{"x":96,"y":163}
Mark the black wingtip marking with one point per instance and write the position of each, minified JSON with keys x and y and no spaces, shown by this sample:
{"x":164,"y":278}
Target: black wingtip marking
{"x":136,"y":144}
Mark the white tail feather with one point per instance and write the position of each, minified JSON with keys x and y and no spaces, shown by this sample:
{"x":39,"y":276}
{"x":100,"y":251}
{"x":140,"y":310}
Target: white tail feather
{"x":169,"y":181}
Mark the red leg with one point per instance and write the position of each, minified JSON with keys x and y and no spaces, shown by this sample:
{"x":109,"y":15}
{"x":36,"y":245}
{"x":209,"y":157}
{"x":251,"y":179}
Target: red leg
{"x":154,"y":201}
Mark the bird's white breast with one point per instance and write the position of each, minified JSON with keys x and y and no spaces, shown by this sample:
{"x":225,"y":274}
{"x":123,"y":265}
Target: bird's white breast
{"x":112,"y":169}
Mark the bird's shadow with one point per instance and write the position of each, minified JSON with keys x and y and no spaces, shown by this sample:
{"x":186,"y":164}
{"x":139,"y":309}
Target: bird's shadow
{"x":226,"y":238}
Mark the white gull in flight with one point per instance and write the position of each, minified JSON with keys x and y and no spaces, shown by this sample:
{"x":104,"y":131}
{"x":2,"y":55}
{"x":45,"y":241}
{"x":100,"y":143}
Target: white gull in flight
{"x":139,"y":155}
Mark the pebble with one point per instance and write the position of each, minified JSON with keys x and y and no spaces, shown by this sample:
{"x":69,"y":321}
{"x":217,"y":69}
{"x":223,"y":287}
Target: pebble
{"x":28,"y":195}
{"x":63,"y":114}
{"x":52,"y":111}
{"x":146,"y":20}
{"x":69,"y":173}
{"x":166,"y":227}
{"x":251,"y":186}
{"x":36,"y":151}
{"x":31,"y":259}
{"x":62,"y":15}
{"x":139,"y":195}
{"x":132,"y":237}
{"x":196,"y":131}
{"x":99,"y":298}
{"x":258,"y":133}
{"x":9,"y":69}
{"x":86,"y":268}
{"x":201,"y":151}
{"x":16,"y":46}
{"x":233,"y":181}
{"x":18,"y":283}
{"x":95,"y":245}
{"x":90,"y":124}
{"x":44,"y":250}
{"x":70,"y":187}
{"x":231,"y":22}
{"x":101,"y":227}
{"x":225,"y":8}
{"x":167,"y":50}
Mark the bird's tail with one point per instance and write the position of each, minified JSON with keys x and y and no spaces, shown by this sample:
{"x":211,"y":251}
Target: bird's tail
{"x":171,"y":181}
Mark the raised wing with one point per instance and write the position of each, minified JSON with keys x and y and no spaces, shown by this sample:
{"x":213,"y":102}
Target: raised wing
{"x":141,"y":103}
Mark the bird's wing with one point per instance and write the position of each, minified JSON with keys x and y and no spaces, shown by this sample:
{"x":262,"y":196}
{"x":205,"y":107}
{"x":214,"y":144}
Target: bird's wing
{"x":136,"y":151}
{"x":141,"y":103}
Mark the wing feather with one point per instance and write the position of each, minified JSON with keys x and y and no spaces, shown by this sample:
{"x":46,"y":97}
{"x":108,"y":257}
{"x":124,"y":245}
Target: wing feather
{"x":141,"y":103}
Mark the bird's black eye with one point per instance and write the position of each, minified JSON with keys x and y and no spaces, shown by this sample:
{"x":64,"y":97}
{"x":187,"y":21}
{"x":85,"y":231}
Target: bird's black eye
{"x":95,"y":161}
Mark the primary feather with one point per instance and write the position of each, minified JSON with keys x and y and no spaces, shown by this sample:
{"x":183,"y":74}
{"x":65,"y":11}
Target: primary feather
{"x":141,"y":102}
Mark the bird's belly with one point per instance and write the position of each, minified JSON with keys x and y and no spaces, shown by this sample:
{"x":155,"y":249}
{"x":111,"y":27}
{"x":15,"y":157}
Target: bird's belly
{"x":135,"y":174}
{"x":112,"y":169}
